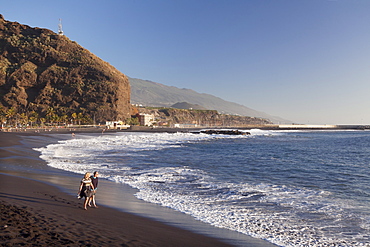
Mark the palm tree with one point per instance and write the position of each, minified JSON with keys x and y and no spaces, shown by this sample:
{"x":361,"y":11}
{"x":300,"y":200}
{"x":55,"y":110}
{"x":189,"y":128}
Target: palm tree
{"x":23,"y":119}
{"x":32,"y":120}
{"x":51,"y":116}
{"x":74,"y":116}
{"x":2,"y":116}
{"x":56,"y":119}
{"x":33,"y":117}
{"x":79,"y":118}
{"x":10,"y":113}
{"x":42,"y":120}
{"x":64,"y":119}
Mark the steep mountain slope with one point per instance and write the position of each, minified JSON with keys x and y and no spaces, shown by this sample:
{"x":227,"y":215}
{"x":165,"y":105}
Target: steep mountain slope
{"x":150,"y":93}
{"x":185,"y":105}
{"x":47,"y":74}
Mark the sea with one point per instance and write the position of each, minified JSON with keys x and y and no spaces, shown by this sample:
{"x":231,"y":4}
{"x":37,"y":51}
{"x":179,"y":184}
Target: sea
{"x":291,"y":188}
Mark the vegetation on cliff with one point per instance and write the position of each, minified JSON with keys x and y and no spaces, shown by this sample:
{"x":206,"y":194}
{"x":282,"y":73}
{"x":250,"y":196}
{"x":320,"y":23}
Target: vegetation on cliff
{"x":47,"y":77}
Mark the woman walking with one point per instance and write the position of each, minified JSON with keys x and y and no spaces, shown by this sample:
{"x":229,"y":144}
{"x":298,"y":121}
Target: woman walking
{"x":86,"y":188}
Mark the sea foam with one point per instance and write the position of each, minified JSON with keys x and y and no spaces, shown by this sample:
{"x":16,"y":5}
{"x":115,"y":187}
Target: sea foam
{"x":284,"y":215}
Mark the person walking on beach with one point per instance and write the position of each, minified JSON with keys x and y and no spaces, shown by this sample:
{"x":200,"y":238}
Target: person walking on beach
{"x":86,"y":189}
{"x":95,"y":181}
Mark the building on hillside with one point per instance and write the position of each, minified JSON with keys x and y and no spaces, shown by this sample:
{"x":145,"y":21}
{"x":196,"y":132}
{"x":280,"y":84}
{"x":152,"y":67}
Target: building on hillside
{"x":146,"y":119}
{"x":116,"y":125}
{"x":162,"y":123}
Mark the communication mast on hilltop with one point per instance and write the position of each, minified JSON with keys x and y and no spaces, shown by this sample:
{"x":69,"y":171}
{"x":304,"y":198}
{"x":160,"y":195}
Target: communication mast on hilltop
{"x":60,"y":31}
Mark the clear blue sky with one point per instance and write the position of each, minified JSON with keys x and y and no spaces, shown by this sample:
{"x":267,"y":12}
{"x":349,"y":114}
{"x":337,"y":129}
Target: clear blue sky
{"x":303,"y":60}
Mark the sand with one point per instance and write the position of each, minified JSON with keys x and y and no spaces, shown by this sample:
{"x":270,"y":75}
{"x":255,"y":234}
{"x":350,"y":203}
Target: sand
{"x":36,"y":214}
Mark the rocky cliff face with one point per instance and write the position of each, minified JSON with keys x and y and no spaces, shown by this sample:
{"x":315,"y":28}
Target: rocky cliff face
{"x":201,"y":117}
{"x":41,"y":71}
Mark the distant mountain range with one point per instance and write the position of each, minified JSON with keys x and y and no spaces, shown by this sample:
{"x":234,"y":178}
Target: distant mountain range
{"x":148,"y":93}
{"x":186,"y":105}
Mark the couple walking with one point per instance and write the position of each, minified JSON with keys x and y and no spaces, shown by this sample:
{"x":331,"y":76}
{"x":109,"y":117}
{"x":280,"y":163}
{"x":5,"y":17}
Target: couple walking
{"x":88,"y":187}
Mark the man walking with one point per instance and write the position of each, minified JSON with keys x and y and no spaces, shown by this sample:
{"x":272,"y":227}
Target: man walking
{"x":95,"y":180}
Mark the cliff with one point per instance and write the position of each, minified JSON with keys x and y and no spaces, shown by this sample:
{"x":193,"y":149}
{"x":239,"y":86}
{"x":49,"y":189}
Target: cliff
{"x":201,"y":117}
{"x":44,"y":74}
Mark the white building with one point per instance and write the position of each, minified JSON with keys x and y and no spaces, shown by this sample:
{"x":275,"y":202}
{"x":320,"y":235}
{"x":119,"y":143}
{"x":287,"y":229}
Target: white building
{"x":146,"y":119}
{"x":116,"y":125}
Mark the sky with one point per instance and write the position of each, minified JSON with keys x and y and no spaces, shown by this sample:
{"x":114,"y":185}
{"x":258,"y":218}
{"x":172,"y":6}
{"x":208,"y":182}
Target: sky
{"x":307,"y":61}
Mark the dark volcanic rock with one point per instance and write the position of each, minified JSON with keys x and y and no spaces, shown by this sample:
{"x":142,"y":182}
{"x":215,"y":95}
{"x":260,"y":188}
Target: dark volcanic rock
{"x":40,"y":70}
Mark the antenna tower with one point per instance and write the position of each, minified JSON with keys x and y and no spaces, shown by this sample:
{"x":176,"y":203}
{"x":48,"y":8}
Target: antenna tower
{"x":60,"y":31}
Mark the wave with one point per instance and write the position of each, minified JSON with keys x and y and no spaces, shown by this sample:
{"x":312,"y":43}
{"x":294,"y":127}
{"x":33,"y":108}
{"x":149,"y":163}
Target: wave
{"x":284,"y":215}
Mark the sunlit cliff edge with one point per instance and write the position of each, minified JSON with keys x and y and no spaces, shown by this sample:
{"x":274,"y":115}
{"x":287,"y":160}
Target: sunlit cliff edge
{"x":47,"y":74}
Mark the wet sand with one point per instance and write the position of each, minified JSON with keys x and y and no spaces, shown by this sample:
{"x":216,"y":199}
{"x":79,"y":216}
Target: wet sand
{"x":36,"y":214}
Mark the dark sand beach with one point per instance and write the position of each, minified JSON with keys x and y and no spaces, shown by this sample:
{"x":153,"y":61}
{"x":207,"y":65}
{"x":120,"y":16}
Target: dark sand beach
{"x":34,"y":212}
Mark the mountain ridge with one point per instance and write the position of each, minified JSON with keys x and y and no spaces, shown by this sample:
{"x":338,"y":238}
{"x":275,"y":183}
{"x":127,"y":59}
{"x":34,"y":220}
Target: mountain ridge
{"x":154,"y":94}
{"x":186,"y":105}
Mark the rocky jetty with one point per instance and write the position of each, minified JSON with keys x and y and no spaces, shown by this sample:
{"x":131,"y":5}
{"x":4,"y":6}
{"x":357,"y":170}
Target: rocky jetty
{"x":224,"y":132}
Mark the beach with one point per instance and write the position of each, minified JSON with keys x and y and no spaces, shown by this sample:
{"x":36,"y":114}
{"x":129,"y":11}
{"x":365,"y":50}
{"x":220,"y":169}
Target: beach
{"x":184,"y":189}
{"x":36,"y":213}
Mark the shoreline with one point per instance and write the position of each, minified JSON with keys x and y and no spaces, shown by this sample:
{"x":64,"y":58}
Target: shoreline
{"x":57,"y":219}
{"x":42,"y":214}
{"x":14,"y":144}
{"x":102,"y":129}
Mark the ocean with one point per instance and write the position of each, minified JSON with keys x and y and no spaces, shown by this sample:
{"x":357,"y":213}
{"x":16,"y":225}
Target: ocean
{"x":291,"y":188}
